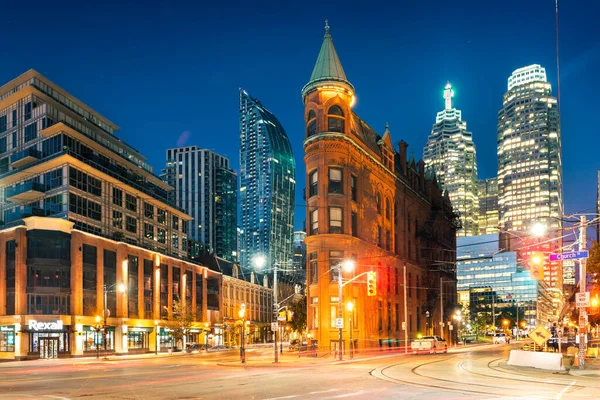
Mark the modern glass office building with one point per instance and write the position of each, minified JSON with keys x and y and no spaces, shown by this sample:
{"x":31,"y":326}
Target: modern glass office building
{"x":267,"y":185}
{"x":530,"y":186}
{"x":488,"y":205}
{"x":488,"y":279}
{"x":450,"y":152}
{"x":87,"y":231}
{"x":206,"y":188}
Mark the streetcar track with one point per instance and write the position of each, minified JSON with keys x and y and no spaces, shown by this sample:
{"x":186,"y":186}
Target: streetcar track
{"x":480,"y":386}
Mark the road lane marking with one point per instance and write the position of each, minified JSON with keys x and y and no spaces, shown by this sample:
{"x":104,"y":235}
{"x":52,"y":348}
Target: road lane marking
{"x":284,"y":397}
{"x":324,"y":391}
{"x":339,"y":396}
{"x":560,"y":394}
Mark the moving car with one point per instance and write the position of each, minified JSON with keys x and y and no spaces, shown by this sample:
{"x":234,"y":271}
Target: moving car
{"x":501,"y":338}
{"x":429,"y":344}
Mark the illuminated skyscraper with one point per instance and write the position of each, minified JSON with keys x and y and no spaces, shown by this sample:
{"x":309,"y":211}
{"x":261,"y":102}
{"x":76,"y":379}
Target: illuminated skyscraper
{"x":267,"y":185}
{"x":530,"y":166}
{"x":450,"y":152}
{"x":488,"y":205}
{"x":206,"y":188}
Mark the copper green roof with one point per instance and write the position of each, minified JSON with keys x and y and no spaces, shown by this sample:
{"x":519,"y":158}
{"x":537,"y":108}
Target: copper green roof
{"x":328,"y":67}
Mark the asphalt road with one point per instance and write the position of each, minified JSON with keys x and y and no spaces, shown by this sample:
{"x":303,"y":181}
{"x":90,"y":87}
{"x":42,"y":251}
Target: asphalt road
{"x":475,"y":373}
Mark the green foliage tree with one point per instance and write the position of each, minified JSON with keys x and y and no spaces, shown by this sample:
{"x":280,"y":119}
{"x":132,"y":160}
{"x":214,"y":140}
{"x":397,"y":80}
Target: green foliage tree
{"x":593,"y":263}
{"x":182,"y":319}
{"x":298,"y":322}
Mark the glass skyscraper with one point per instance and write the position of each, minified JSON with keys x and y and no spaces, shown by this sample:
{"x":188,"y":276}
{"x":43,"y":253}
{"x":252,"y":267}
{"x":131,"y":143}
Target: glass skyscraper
{"x":206,"y":188}
{"x":267,"y":185}
{"x":490,"y":280}
{"x":488,"y":205}
{"x":530,"y":167}
{"x":450,"y":152}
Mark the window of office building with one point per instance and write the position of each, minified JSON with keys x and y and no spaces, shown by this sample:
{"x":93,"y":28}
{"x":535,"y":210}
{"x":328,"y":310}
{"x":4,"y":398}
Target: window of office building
{"x":335,"y":220}
{"x":212,"y":288}
{"x":148,"y":210}
{"x":117,"y":219}
{"x":148,"y":231}
{"x":313,"y":183}
{"x":336,"y":183}
{"x":148,"y":289}
{"x":117,"y":197}
{"x":176,"y":283}
{"x":161,"y":216}
{"x":130,"y":202}
{"x":30,"y":132}
{"x":199,"y":278}
{"x":175,"y":241}
{"x":175,"y":222}
{"x":110,"y":280}
{"x":336,"y":257}
{"x":161,"y":236}
{"x":85,"y":207}
{"x":130,"y":224}
{"x":164,"y":291}
{"x":314,"y":221}
{"x":90,"y":270}
{"x":132,"y":286}
{"x":313,"y":267}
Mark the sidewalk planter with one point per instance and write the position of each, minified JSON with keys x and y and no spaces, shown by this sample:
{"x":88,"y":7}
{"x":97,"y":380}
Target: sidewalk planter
{"x":548,"y":361}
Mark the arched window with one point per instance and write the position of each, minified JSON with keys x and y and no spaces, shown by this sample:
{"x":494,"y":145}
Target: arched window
{"x":311,"y":126}
{"x":378,"y":201}
{"x":335,"y":119}
{"x":387,"y":209}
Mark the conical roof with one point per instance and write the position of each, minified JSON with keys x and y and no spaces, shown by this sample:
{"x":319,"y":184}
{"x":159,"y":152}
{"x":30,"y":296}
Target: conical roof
{"x":328,"y":67}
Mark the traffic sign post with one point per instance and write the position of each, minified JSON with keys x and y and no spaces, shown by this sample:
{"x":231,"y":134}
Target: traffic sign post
{"x":582,"y":300}
{"x":540,"y":335}
{"x":574,"y":255}
{"x":339,"y":323}
{"x":274,"y":326}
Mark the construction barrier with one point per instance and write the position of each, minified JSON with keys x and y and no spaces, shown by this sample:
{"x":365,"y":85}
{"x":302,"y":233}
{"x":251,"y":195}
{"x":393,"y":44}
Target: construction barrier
{"x":548,"y":361}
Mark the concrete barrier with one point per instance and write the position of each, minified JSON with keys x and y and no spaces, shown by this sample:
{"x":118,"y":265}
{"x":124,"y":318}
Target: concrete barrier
{"x":549,"y":361}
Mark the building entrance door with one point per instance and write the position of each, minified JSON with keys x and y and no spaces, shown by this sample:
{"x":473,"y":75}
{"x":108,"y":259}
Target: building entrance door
{"x":48,"y":348}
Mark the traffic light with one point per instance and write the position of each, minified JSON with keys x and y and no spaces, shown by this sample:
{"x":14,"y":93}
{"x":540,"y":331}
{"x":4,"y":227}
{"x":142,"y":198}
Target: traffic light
{"x":371,"y":283}
{"x":594,"y":305}
{"x":536,"y":266}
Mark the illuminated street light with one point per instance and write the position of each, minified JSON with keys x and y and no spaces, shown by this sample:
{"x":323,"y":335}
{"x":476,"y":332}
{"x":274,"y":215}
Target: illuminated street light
{"x":538,"y":229}
{"x":242,"y":315}
{"x":350,"y":307}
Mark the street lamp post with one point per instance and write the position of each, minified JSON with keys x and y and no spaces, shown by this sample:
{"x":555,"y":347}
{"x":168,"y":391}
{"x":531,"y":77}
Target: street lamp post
{"x":350,"y":307}
{"x":242,"y":314}
{"x":98,"y":329}
{"x":426,"y":323}
{"x":348,"y":265}
{"x":106,"y":313}
{"x":156,"y":334}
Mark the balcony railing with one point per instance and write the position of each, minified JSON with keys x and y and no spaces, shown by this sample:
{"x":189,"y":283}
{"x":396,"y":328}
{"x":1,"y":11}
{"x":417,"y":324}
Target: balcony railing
{"x":25,"y":192}
{"x":25,"y":157}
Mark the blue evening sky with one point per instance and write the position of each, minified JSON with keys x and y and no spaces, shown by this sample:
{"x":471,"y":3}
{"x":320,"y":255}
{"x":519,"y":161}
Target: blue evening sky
{"x":169,"y":71}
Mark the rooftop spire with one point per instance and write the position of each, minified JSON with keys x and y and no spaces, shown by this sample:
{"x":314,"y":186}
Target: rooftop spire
{"x":328,"y":67}
{"x":448,"y":95}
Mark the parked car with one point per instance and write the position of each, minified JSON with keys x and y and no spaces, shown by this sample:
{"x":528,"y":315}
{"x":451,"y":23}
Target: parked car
{"x":429,"y":344}
{"x":501,"y":338}
{"x":294,"y":343}
{"x":192,"y":348}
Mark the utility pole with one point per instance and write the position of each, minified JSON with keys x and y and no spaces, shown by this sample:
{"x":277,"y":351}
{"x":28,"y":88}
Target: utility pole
{"x":441,"y":307}
{"x":582,"y":289}
{"x":494,"y":310}
{"x":340,"y":310}
{"x":275,"y":311}
{"x":405,"y":315}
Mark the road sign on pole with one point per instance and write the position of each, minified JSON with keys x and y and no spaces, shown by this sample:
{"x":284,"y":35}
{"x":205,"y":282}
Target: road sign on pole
{"x":339,"y":323}
{"x":540,"y":335}
{"x":583,"y":319}
{"x":273,"y":326}
{"x":574,"y":255}
{"x":582,"y":299}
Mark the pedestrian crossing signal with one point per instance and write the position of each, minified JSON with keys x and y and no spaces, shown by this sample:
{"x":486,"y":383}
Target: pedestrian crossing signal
{"x":371,"y":283}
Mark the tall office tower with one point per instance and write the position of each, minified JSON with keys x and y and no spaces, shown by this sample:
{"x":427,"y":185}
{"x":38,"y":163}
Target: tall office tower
{"x":530,"y":187}
{"x":487,"y":191}
{"x":87,"y":228}
{"x":206,"y":188}
{"x":299,"y":251}
{"x":267,"y":185}
{"x":368,"y":205}
{"x":450,"y":153}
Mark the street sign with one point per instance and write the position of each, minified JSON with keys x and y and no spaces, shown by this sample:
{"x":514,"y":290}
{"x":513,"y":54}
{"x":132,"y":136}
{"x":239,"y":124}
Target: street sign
{"x":274,"y":326}
{"x":539,"y":335}
{"x":339,"y":322}
{"x":574,"y":255}
{"x":582,"y":299}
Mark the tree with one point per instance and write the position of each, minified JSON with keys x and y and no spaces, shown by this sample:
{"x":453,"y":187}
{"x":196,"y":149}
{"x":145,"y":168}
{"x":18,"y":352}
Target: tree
{"x":299,"y":319}
{"x":593,"y":262}
{"x":182,"y":319}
